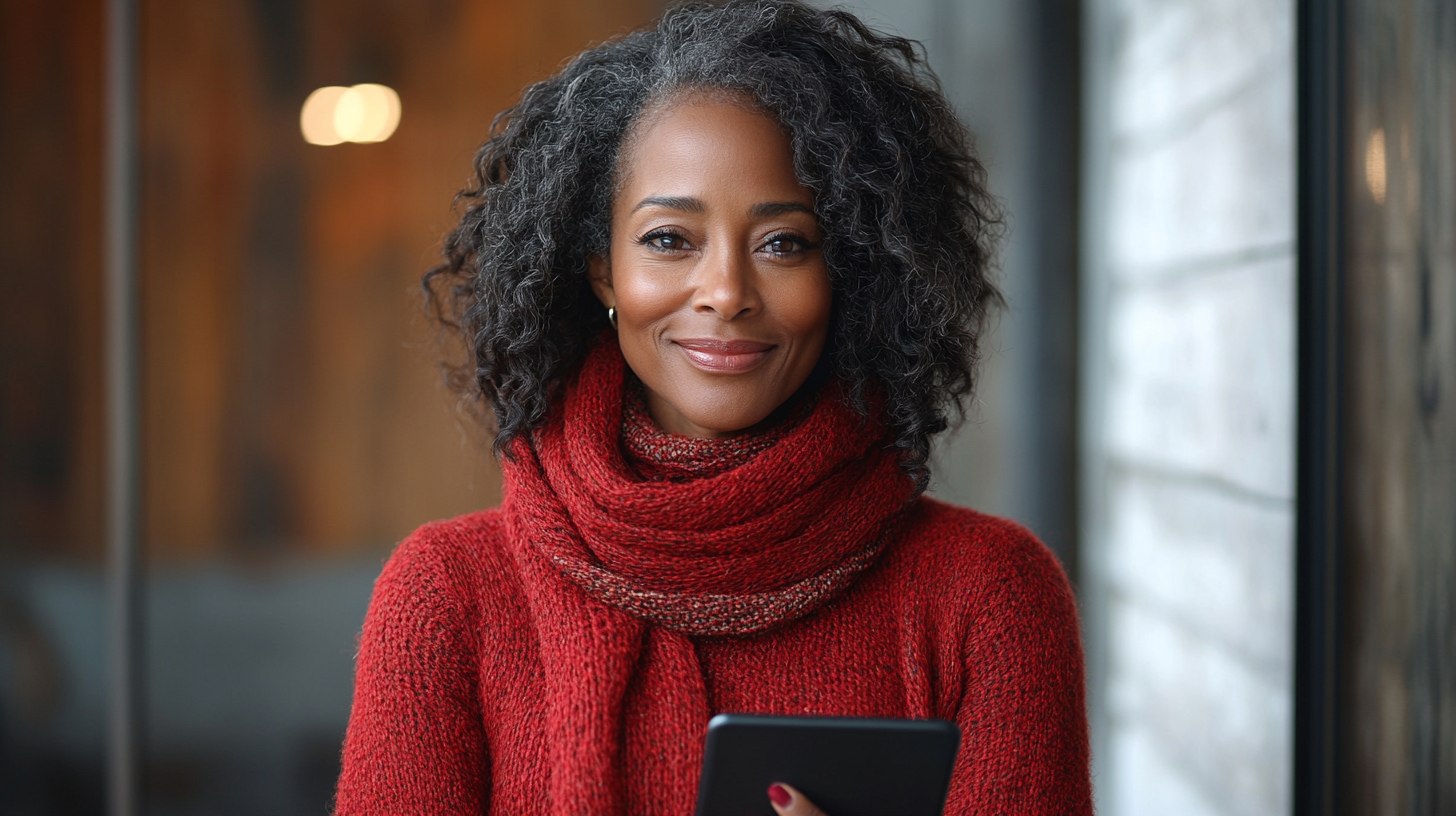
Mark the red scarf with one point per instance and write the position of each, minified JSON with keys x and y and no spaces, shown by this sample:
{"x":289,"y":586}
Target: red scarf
{"x":622,"y":572}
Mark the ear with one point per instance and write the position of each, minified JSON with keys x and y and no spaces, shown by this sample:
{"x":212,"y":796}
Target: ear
{"x":599,"y":272}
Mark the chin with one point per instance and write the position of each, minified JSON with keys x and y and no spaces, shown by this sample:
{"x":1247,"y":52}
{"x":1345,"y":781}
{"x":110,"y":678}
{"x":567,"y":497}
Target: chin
{"x":729,"y":424}
{"x":728,"y":416}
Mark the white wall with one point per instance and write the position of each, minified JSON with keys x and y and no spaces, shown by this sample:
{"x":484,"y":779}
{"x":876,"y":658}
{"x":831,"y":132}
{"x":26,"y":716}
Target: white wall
{"x":1188,"y":402}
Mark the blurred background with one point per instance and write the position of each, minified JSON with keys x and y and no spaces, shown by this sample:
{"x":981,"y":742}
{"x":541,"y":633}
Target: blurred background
{"x":1221,"y":390}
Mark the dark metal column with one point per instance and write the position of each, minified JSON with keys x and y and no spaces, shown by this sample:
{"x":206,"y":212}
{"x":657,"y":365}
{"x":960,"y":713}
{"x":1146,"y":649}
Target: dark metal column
{"x":1320,"y":275}
{"x":123,"y":407}
{"x":1048,"y":477}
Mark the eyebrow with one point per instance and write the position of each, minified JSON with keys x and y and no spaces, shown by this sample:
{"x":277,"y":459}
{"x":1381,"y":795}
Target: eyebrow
{"x":695,"y":205}
{"x":779,"y":208}
{"x":679,"y":203}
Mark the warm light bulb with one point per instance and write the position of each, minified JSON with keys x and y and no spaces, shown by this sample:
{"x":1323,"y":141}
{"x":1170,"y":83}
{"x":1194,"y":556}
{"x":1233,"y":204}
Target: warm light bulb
{"x":362,"y":113}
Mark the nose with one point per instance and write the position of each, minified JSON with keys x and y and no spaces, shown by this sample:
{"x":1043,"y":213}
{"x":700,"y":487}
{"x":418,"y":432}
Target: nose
{"x":726,"y":283}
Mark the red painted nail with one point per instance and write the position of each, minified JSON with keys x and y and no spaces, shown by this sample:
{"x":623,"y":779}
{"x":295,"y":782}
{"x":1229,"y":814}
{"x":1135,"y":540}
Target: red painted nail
{"x":779,"y":795}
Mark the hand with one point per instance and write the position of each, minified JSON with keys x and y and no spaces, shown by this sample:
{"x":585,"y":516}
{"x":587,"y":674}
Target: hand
{"x":788,"y":801}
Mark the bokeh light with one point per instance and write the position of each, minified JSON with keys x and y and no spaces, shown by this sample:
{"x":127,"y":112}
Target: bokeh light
{"x":1375,"y":165}
{"x":364,"y":114}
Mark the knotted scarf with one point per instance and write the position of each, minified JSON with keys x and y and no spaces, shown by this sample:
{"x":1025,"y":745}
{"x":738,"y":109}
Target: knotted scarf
{"x":623,"y":573}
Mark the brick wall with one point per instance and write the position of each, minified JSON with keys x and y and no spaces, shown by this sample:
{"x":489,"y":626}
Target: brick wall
{"x":1188,"y":402}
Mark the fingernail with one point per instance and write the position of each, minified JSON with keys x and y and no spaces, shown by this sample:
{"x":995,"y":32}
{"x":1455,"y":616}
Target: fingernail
{"x":779,"y":795}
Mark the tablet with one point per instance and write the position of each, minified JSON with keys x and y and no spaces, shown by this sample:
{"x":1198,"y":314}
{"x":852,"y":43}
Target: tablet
{"x":848,"y":766}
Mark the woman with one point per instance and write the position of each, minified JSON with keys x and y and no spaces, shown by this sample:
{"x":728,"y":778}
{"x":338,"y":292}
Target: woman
{"x":723,"y":282}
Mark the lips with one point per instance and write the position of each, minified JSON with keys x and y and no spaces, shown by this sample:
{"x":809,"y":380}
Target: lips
{"x":727,"y":356}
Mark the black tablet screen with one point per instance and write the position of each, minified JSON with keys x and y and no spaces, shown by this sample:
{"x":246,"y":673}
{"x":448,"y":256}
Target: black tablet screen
{"x":847,"y":766}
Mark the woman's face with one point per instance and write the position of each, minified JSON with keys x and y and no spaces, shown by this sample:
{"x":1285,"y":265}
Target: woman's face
{"x":715,"y":270}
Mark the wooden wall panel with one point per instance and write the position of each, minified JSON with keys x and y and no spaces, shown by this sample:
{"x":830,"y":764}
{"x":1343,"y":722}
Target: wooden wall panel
{"x":50,"y":280}
{"x":1397,"y":716}
{"x":292,"y":399}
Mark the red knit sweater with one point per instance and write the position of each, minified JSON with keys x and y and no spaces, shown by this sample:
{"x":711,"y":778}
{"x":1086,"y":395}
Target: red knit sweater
{"x":961,"y":616}
{"x":968,"y":619}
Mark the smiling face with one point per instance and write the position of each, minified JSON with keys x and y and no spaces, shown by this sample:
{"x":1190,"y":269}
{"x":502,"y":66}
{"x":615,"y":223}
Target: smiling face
{"x":715,"y":270}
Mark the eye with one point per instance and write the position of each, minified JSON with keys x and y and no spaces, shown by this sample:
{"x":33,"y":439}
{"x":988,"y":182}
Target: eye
{"x":664,"y":240}
{"x":786,"y":243}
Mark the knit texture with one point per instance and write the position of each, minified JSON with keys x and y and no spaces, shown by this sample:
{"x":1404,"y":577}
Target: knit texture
{"x":656,"y":455}
{"x":562,"y":654}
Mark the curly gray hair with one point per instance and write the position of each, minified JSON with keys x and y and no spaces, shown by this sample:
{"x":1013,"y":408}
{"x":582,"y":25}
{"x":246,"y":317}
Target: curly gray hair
{"x":910,"y":230}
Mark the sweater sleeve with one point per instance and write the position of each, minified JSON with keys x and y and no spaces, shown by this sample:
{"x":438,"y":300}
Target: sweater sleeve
{"x":1022,"y":712}
{"x":415,"y":742}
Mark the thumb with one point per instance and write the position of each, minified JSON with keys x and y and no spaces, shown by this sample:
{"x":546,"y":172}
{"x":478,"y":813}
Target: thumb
{"x":788,"y":801}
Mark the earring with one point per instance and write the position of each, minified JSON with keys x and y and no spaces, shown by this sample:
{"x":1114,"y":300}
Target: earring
{"x":612,"y":316}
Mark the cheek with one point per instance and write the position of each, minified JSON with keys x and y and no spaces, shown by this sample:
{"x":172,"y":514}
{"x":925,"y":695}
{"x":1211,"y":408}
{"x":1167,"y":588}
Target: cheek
{"x":807,"y":308}
{"x":642,"y":312}
{"x":644,"y":301}
{"x":645,"y":298}
{"x":643,"y":294}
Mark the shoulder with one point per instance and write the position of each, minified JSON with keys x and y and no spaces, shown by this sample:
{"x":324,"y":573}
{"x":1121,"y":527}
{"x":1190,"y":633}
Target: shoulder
{"x":438,"y":570}
{"x":451,"y":546}
{"x":971,"y":545}
{"x":1005,"y":645}
{"x":983,"y":566}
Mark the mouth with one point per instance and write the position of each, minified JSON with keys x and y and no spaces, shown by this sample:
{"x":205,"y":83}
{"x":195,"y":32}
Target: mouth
{"x":724,"y":356}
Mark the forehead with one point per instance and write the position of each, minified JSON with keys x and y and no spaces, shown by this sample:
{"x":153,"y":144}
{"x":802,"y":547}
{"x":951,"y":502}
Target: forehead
{"x":705,"y":143}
